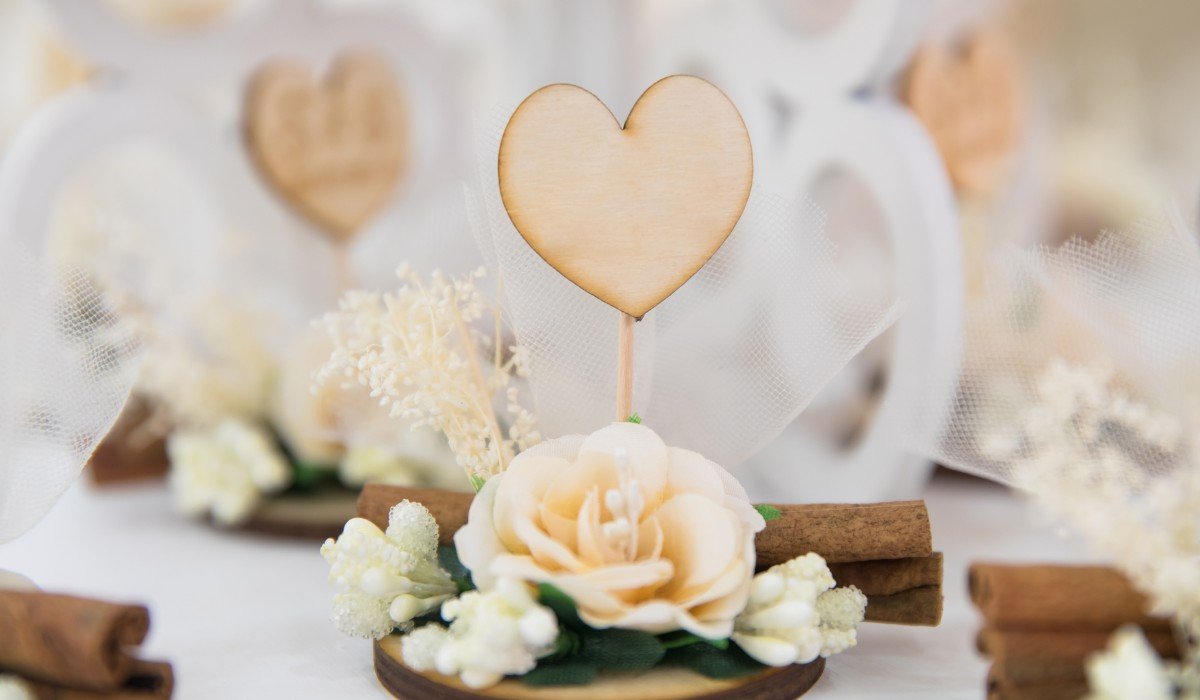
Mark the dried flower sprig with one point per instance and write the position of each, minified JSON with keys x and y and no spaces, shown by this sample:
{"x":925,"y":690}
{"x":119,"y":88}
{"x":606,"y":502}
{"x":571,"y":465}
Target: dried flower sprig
{"x":420,"y":351}
{"x":1127,"y":478}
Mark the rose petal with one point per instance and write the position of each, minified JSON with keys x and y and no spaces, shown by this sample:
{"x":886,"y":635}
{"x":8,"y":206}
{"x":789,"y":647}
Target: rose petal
{"x":477,"y":542}
{"x":645,"y":451}
{"x":700,"y":538}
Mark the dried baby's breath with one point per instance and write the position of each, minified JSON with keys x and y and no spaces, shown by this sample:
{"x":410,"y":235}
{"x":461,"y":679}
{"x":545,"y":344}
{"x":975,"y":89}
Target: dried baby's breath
{"x":420,"y":350}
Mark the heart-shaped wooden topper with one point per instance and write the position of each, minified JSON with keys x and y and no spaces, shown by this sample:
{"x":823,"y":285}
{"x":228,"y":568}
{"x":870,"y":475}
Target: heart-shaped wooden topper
{"x":627,"y":214}
{"x":335,"y":151}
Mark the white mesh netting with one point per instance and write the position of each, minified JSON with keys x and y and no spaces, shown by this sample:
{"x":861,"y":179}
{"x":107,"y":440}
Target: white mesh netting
{"x":724,"y":364}
{"x":66,"y":367}
{"x":1089,"y":351}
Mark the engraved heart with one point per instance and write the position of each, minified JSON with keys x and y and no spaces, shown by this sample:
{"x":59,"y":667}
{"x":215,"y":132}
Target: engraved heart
{"x":628,"y":214}
{"x":334,"y":151}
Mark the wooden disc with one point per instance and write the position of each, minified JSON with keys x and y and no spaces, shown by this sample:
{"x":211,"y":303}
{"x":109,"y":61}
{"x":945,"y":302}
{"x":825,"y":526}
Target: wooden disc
{"x":659,"y":684}
{"x":304,"y":516}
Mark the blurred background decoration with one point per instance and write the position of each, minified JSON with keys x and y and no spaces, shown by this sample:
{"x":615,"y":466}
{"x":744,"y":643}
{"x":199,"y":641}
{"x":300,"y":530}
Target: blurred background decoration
{"x":930,"y":133}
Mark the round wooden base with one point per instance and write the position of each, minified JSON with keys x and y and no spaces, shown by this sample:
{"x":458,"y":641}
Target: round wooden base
{"x":304,"y":516}
{"x":660,"y":684}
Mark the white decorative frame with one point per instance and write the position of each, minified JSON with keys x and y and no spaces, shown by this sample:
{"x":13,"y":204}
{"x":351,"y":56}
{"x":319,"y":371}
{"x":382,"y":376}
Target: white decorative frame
{"x":831,"y":81}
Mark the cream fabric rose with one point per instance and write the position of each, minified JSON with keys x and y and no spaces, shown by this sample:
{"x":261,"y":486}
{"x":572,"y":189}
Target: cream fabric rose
{"x":641,"y":535}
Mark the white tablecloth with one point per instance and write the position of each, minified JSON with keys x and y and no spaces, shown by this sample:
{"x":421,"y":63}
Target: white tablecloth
{"x":247,"y":617}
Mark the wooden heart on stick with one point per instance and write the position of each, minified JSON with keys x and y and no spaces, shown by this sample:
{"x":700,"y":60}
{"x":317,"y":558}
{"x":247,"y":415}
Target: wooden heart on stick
{"x":628,"y":214}
{"x":335,"y":151}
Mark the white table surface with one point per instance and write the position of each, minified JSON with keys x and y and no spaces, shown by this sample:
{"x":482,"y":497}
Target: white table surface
{"x":247,"y":617}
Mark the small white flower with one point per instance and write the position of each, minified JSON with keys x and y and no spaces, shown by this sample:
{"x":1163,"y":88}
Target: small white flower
{"x":795,"y":614}
{"x":1128,"y":670}
{"x":502,"y":632}
{"x":14,"y":688}
{"x":385,"y":579}
{"x":224,"y":470}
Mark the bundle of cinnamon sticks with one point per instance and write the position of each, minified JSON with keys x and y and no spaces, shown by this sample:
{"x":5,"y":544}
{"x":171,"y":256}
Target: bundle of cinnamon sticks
{"x":885,"y":549}
{"x":1042,"y":622}
{"x":70,"y":648}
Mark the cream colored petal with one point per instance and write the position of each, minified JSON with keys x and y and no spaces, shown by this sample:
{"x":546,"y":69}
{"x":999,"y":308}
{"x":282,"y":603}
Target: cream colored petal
{"x":650,"y":539}
{"x":700,"y":537}
{"x":521,"y":488}
{"x":558,"y":527}
{"x":735,"y":578}
{"x":590,"y":544}
{"x":477,"y":542}
{"x":547,"y":551}
{"x":691,"y":472}
{"x":646,"y":452}
{"x":570,"y":486}
{"x":628,"y":576}
{"x":655,"y":617}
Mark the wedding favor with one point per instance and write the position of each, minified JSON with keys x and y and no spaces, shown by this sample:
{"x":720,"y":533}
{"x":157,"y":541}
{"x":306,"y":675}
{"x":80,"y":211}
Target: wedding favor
{"x":613,"y":559}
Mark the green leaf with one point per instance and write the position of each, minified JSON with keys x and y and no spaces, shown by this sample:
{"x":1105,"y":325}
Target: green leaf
{"x":461,"y":575}
{"x":562,"y":604}
{"x":309,"y":476}
{"x":566,"y":644}
{"x":477,"y":482}
{"x":551,"y":673}
{"x":674,"y":640}
{"x":769,"y":512}
{"x":709,"y":661}
{"x":634,"y":418}
{"x":620,"y":649}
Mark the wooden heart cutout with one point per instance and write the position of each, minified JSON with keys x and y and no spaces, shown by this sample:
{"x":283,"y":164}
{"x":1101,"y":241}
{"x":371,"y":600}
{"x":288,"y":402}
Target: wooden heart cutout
{"x":971,"y":102}
{"x":628,"y":214}
{"x":335,"y":151}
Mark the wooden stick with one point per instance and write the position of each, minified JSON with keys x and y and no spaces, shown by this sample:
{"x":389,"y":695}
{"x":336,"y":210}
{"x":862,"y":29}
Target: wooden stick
{"x":625,"y":367}
{"x":343,"y":268}
{"x":917,"y":606}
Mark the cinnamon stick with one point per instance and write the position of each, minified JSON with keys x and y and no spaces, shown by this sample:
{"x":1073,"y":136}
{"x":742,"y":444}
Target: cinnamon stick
{"x":68,"y":641}
{"x":838,"y":532}
{"x":883,"y":577}
{"x":1058,"y":598}
{"x":1045,"y":657}
{"x":845,"y":533}
{"x":125,"y":454}
{"x":149,"y":680}
{"x":1003,"y":689}
{"x":917,"y":606}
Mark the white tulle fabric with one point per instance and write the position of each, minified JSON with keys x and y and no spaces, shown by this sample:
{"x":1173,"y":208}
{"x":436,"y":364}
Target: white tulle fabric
{"x":1104,"y":332}
{"x":724,"y":364}
{"x":66,"y":367}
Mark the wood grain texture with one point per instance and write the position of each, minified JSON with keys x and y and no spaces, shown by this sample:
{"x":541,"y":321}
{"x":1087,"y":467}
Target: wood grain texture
{"x":659,"y":684}
{"x":627,"y":213}
{"x":303,"y":517}
{"x":971,"y":100}
{"x":335,"y":151}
